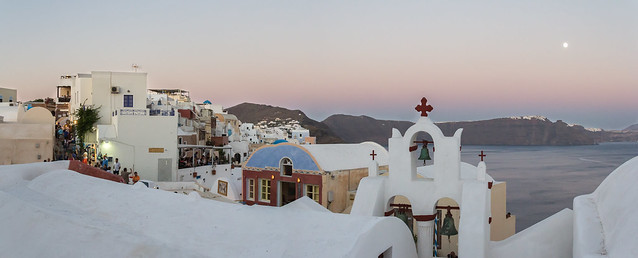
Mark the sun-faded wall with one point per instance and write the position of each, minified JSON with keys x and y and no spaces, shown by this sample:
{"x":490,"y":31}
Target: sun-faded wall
{"x":342,"y":183}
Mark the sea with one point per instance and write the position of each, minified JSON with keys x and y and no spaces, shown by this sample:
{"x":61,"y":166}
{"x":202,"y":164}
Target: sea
{"x":542,"y":180}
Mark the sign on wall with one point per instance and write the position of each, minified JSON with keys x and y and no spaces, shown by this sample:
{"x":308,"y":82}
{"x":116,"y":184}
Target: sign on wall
{"x":155,"y":150}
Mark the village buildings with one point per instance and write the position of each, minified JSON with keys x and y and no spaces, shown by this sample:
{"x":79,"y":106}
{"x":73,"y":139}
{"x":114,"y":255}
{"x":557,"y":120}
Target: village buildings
{"x":329,"y":174}
{"x":125,"y":122}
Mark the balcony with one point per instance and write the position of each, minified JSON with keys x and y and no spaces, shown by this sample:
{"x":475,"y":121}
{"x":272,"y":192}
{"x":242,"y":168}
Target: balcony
{"x":159,"y":112}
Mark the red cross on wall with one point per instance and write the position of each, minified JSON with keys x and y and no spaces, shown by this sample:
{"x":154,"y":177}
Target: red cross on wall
{"x":482,"y":155}
{"x":424,"y":108}
{"x":373,"y":154}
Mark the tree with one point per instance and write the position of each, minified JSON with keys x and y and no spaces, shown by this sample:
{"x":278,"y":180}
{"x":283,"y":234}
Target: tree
{"x":86,"y":116}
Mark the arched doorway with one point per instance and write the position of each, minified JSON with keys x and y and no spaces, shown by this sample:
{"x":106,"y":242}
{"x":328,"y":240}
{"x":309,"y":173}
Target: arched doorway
{"x":446,"y":225}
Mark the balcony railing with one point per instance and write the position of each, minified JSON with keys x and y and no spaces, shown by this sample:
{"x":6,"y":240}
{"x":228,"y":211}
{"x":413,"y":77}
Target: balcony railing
{"x":159,"y":112}
{"x":132,"y":112}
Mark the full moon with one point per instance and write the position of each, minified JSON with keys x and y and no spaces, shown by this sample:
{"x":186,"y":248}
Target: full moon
{"x":565,"y":45}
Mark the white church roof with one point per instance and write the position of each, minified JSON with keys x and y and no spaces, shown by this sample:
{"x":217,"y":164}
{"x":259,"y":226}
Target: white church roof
{"x":467,"y":172}
{"x":52,"y":212}
{"x":333,"y":157}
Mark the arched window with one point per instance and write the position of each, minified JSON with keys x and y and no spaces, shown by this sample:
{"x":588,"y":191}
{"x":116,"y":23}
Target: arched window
{"x":286,"y":167}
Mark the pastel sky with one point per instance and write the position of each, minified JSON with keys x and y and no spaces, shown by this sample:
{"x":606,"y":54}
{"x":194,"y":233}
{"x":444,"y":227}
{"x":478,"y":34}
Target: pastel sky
{"x":472,"y":59}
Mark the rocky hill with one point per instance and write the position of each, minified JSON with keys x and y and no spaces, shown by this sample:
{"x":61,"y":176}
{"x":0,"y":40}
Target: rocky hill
{"x":519,"y":131}
{"x":253,"y":113}
{"x":528,"y":130}
{"x":354,"y":129}
{"x":501,"y":131}
{"x":632,"y":128}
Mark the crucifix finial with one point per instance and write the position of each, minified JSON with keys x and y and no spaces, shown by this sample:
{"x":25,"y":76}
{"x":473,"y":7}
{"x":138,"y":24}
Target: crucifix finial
{"x":482,"y":155}
{"x":373,"y":154}
{"x":424,"y":108}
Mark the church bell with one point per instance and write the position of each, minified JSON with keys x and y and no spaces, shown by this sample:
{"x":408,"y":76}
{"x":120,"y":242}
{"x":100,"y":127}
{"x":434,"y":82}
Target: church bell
{"x":425,"y":154}
{"x":448,"y":229}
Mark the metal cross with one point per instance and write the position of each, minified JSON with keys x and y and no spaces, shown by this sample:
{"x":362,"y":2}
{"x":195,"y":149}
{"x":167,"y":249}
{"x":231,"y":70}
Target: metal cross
{"x":482,"y":155}
{"x":373,"y":154}
{"x":424,"y":107}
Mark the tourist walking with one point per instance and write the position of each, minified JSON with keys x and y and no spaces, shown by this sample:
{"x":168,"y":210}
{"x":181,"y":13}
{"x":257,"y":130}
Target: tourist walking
{"x":116,"y":167}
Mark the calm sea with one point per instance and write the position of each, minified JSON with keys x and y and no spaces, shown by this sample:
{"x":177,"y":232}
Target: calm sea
{"x":542,"y":180}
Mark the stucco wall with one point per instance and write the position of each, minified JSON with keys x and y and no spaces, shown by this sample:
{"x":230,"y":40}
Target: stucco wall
{"x":136,"y":134}
{"x":501,"y":226}
{"x":343,"y":182}
{"x":22,"y":143}
{"x":8,"y":94}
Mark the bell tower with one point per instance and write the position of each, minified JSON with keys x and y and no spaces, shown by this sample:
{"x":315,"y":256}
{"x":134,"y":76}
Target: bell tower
{"x":441,"y":179}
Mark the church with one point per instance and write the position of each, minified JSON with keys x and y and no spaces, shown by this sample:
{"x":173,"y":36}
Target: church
{"x":329,"y":174}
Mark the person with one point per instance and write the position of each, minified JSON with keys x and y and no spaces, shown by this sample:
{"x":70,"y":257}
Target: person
{"x":125,"y":175}
{"x":136,"y":177}
{"x":116,"y":167}
{"x":85,"y":158}
{"x":105,"y":162}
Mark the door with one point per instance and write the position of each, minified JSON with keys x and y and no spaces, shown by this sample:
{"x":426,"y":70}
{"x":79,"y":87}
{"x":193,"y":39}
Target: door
{"x":287,"y":192}
{"x":164,"y":170}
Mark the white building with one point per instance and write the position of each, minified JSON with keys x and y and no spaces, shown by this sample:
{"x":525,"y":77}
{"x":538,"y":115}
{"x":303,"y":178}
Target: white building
{"x":8,"y":95}
{"x":144,"y":139}
{"x":25,"y":135}
{"x":249,"y":133}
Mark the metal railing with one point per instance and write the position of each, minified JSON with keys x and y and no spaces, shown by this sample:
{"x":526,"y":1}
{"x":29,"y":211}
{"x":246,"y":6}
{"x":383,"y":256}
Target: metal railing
{"x":132,"y":112}
{"x":159,"y":112}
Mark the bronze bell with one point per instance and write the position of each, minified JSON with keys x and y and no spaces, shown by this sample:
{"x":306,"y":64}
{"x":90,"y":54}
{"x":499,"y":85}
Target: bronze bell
{"x":448,"y":229}
{"x":425,"y":154}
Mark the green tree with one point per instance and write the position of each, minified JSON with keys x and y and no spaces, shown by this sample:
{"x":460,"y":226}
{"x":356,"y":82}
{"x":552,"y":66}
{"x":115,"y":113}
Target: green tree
{"x":86,"y":116}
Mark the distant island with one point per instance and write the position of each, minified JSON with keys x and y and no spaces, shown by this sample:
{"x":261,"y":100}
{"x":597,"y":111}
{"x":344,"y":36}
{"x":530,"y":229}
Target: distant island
{"x":524,"y":130}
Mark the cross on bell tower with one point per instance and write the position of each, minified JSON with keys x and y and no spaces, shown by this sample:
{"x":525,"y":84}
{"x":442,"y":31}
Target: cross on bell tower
{"x":482,"y":155}
{"x":373,"y":154}
{"x":424,"y":107}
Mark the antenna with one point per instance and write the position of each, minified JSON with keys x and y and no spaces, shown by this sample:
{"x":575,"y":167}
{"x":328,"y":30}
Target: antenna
{"x":135,"y":67}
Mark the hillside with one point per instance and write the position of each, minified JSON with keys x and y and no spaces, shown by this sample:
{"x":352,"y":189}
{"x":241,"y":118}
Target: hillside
{"x":632,"y":128}
{"x":501,"y":131}
{"x":253,"y":113}
{"x":519,"y":131}
{"x":354,"y":129}
{"x":529,"y":130}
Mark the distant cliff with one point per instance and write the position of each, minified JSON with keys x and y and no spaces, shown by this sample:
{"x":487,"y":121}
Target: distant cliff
{"x":519,"y":131}
{"x":528,"y":130}
{"x":354,"y":129}
{"x":501,"y":131}
{"x":253,"y":113}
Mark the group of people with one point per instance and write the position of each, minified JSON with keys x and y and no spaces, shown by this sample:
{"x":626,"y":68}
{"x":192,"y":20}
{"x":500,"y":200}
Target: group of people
{"x":200,"y":160}
{"x":103,"y":163}
{"x":65,"y":147}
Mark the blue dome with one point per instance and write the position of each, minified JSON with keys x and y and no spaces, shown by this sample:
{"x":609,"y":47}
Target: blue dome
{"x":279,"y":141}
{"x":207,"y":102}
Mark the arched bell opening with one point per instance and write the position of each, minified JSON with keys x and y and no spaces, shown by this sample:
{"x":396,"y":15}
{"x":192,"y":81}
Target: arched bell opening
{"x":400,"y":207}
{"x":446,"y":225}
{"x":422,"y":149}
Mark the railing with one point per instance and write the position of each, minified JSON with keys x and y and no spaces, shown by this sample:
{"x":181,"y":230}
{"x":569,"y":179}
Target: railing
{"x":132,"y":112}
{"x":159,"y":112}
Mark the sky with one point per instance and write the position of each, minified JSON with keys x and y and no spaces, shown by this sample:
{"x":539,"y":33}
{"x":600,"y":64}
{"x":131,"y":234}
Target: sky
{"x":473,"y":60}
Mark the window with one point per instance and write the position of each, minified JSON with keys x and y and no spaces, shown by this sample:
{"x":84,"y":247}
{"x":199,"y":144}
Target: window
{"x":265,"y":190}
{"x":0,"y":98}
{"x":312,"y":191}
{"x":128,"y":100}
{"x":10,"y":98}
{"x":251,"y":189}
{"x":286,"y":167}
